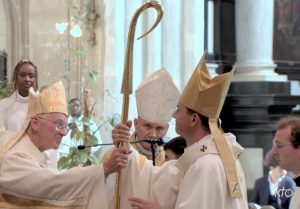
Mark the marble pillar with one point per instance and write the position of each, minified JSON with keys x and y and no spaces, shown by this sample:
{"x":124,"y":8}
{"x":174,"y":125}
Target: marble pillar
{"x":210,"y":37}
{"x":254,"y":41}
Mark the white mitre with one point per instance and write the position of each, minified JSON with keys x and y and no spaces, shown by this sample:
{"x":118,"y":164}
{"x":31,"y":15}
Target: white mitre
{"x":157,"y":97}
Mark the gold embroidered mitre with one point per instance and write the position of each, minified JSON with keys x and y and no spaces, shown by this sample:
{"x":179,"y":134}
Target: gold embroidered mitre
{"x":50,"y":100}
{"x":206,"y":96}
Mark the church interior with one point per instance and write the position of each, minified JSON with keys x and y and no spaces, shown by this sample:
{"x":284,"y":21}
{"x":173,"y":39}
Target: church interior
{"x":83,"y":44}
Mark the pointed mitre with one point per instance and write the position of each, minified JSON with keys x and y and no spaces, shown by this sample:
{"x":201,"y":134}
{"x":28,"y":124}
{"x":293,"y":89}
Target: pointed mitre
{"x":206,"y":96}
{"x":50,"y":100}
{"x":157,"y":97}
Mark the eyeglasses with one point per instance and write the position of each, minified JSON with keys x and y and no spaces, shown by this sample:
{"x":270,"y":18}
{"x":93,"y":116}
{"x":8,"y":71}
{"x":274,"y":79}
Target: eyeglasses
{"x":58,"y":126}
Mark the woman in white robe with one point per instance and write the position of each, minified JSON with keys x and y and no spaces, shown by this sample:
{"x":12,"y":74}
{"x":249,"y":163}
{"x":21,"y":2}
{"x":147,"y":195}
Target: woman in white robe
{"x":14,"y":108}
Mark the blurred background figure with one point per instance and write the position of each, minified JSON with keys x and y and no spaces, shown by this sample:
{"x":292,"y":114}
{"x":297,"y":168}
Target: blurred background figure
{"x":174,"y":148}
{"x":76,"y":121}
{"x":255,"y":206}
{"x":274,"y":189}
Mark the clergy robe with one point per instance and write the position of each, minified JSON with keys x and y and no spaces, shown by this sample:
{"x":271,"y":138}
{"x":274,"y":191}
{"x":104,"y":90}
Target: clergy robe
{"x":159,"y":158}
{"x":24,"y":174}
{"x":13,"y":112}
{"x":295,"y":201}
{"x":204,"y":185}
{"x":159,"y":184}
{"x":111,"y":180}
{"x":196,"y":181}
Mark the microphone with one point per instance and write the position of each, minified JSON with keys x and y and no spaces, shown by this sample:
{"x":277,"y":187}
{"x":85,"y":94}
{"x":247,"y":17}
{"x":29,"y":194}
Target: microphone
{"x":158,"y":141}
{"x":82,"y":146}
{"x":155,"y":143}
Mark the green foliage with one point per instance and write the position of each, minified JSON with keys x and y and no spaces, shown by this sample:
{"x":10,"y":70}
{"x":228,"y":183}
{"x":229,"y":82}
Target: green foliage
{"x":84,"y":157}
{"x":79,"y":53}
{"x":3,"y":88}
{"x":94,"y":75}
{"x":76,"y":158}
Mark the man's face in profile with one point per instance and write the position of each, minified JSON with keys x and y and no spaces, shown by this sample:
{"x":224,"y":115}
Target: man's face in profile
{"x":283,"y":150}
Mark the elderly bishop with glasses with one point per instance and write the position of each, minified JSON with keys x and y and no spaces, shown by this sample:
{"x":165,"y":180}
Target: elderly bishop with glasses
{"x":25,"y":179}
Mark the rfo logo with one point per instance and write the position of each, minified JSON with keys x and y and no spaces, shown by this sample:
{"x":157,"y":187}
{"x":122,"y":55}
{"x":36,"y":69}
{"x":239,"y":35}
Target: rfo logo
{"x":284,"y":192}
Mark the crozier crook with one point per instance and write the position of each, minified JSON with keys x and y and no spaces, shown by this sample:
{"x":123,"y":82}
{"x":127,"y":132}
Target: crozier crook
{"x":126,"y":89}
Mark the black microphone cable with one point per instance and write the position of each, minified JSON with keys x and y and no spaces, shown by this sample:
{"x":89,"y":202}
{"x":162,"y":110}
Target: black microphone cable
{"x":158,"y":141}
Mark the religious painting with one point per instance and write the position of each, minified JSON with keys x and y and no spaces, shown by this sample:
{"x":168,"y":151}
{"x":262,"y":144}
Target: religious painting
{"x":287,"y":32}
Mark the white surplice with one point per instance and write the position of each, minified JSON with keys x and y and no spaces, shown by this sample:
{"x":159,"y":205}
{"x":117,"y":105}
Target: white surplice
{"x":141,"y":179}
{"x":196,"y":181}
{"x":204,"y":185}
{"x":13,"y":112}
{"x":24,"y":173}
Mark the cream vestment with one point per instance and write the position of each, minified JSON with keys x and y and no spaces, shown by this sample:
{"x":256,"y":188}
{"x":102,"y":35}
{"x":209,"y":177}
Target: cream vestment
{"x":13,"y":111}
{"x":24,"y":173}
{"x":23,"y":168}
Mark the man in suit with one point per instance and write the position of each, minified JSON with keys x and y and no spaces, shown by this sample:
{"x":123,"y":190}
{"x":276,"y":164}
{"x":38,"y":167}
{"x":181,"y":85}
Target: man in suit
{"x":268,"y":190}
{"x":286,"y":149}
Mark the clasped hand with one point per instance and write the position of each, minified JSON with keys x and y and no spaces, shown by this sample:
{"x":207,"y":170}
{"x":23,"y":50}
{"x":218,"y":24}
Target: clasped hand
{"x":117,"y":161}
{"x":121,"y":133}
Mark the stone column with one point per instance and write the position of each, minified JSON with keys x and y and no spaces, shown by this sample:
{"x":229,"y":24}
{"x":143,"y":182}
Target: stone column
{"x":258,"y":97}
{"x":210,"y":37}
{"x":254,"y":41}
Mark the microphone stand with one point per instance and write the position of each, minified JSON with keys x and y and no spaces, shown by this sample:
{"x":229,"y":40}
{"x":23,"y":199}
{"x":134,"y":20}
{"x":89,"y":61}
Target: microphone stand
{"x":82,"y":147}
{"x":153,"y":153}
{"x":153,"y":142}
